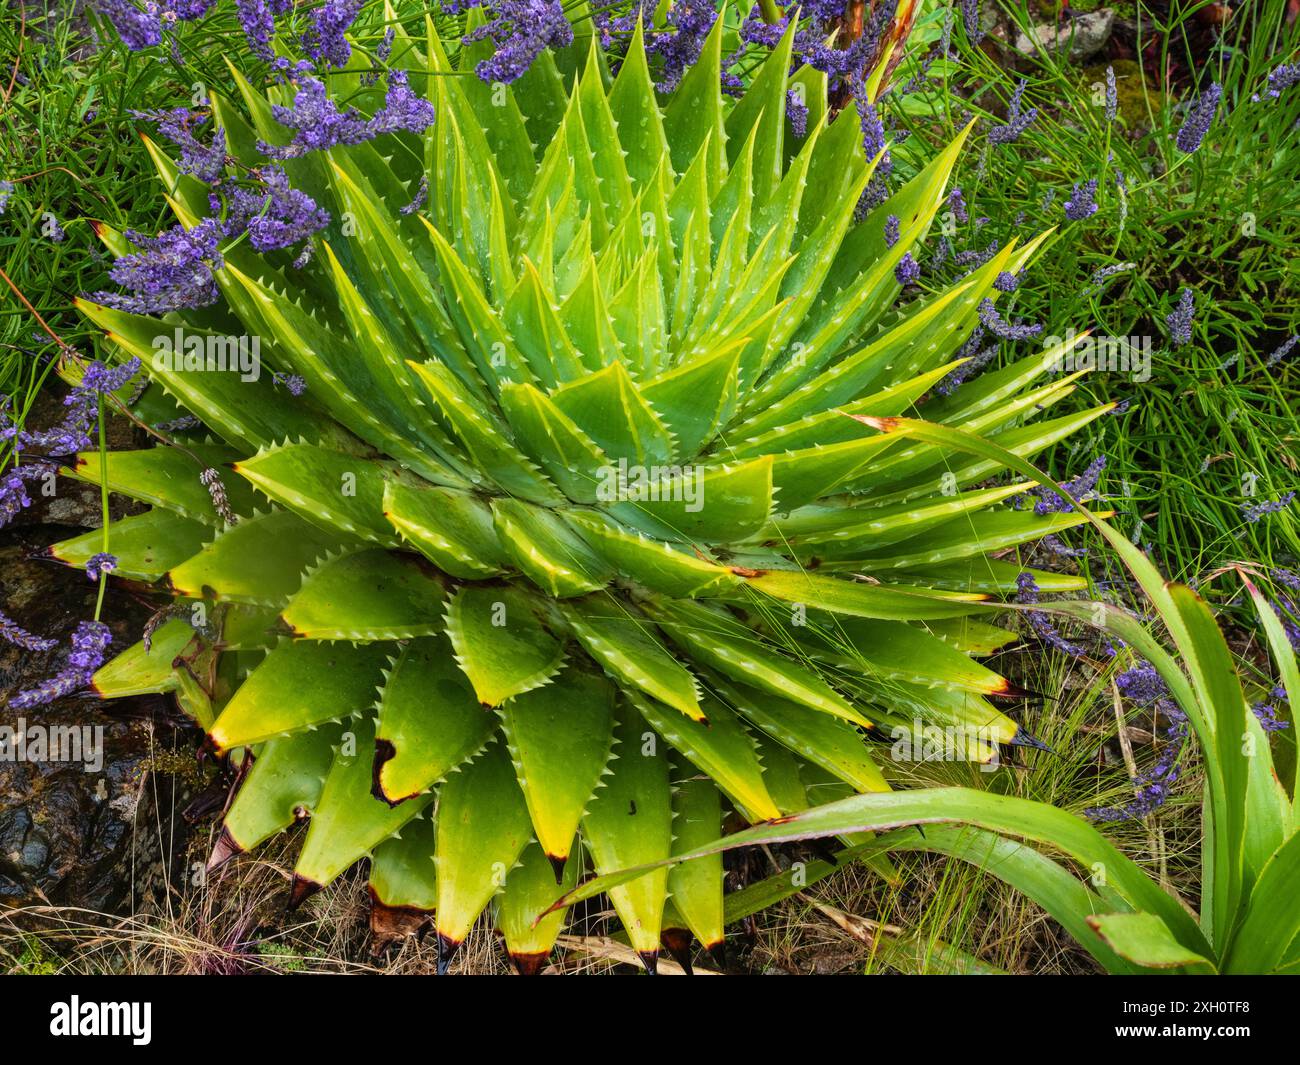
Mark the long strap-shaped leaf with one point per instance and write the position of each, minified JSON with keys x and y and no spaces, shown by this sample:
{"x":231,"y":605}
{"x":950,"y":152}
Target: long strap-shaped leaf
{"x":1125,"y":882}
{"x":1217,"y":710}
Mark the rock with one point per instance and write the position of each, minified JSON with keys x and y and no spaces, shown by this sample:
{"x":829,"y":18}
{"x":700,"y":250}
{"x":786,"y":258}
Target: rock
{"x":1082,"y":35}
{"x":96,"y":826}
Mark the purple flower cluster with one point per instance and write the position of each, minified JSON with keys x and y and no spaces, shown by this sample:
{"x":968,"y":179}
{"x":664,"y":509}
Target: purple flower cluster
{"x":274,"y":216}
{"x":326,"y":41}
{"x":522,"y":29}
{"x":418,"y":201}
{"x":1145,"y":687}
{"x":891,"y":231}
{"x":293,"y":384}
{"x":796,"y":110}
{"x":13,"y":488}
{"x":1028,"y":594}
{"x":1083,"y":201}
{"x":1266,"y":712}
{"x":89,"y":642}
{"x":1281,"y":78}
{"x":1282,"y":351}
{"x":1199,"y":117}
{"x":1017,"y":122}
{"x":1252,"y":512}
{"x":1112,"y":95}
{"x":908,"y":270}
{"x":204,"y":161}
{"x":170,"y":272}
{"x":999,"y":327}
{"x":976,"y":361}
{"x":318,"y":124}
{"x":957,"y":205}
{"x":970,"y":20}
{"x":69,"y":436}
{"x":1006,"y":281}
{"x":15,"y":634}
{"x":100,"y":565}
{"x":1179,"y":320}
{"x":6,"y":191}
{"x":1081,"y":488}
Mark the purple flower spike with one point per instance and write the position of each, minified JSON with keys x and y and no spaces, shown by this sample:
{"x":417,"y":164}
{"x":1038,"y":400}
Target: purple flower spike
{"x":908,"y":270}
{"x":89,"y":643}
{"x":1028,"y":594}
{"x":1199,"y":117}
{"x":522,"y":29}
{"x":1180,"y":318}
{"x":15,"y":634}
{"x":999,"y":327}
{"x":1253,"y":512}
{"x":1082,"y":202}
{"x":891,"y":231}
{"x":326,"y":42}
{"x":100,"y":565}
{"x":1017,"y":123}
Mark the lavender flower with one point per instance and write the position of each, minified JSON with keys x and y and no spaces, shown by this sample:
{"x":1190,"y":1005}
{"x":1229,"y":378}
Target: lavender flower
{"x":1199,"y":117}
{"x":973,"y":258}
{"x":957,"y":205}
{"x":1253,"y":512}
{"x":99,"y":565}
{"x":13,"y":488}
{"x":1028,"y":594}
{"x":89,"y":642}
{"x":963,"y":373}
{"x":6,"y":191}
{"x":1179,"y":320}
{"x":1266,"y":712}
{"x":1081,"y":488}
{"x":15,"y":634}
{"x":294,"y":384}
{"x":970,"y":20}
{"x":1283,"y":77}
{"x":420,"y":199}
{"x":211,"y":480}
{"x":1112,"y":95}
{"x":403,"y":109}
{"x":171,"y":272}
{"x":522,"y":28}
{"x":908,"y":270}
{"x":319,"y":125}
{"x":326,"y":42}
{"x":1282,"y":351}
{"x":1107,"y":272}
{"x":796,"y":110}
{"x":275,"y":215}
{"x":1006,"y":281}
{"x":891,"y":230}
{"x":1082,"y":202}
{"x":1016,"y":123}
{"x":138,"y":28}
{"x":996,"y":325}
{"x":1144,"y":686}
{"x":205,"y":162}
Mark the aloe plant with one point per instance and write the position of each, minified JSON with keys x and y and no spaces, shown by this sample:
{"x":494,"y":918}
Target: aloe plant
{"x":569,"y":546}
{"x":1249,"y":919}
